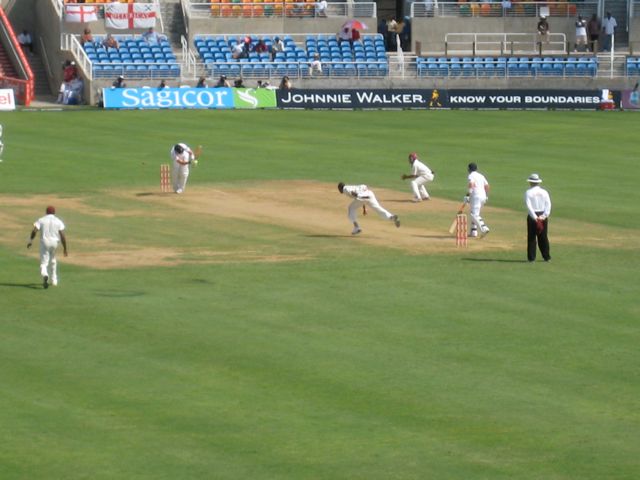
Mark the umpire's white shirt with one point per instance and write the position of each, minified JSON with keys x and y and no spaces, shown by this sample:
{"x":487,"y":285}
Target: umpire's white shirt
{"x":537,"y":200}
{"x":50,"y":227}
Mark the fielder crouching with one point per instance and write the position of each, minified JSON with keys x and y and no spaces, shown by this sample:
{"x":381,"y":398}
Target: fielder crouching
{"x":362,"y":197}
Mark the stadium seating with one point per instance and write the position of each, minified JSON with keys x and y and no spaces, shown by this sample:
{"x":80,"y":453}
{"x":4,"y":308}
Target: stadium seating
{"x":366,"y":58}
{"x":134,"y":59}
{"x":633,"y":66}
{"x":509,"y":66}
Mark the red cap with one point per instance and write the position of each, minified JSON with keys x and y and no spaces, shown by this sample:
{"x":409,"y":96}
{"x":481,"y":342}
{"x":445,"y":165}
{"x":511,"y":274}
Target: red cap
{"x":413,"y":156}
{"x":51,"y":210}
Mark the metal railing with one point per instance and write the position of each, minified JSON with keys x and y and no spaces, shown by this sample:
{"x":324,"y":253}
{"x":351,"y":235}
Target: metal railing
{"x":270,"y":9}
{"x":504,"y":43}
{"x":295,"y":70}
{"x":498,"y":9}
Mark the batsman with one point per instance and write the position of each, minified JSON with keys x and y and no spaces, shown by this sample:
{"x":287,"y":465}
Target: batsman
{"x":183,"y":157}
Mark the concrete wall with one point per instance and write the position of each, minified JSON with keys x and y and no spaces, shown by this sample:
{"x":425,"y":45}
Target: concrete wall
{"x":431,"y":32}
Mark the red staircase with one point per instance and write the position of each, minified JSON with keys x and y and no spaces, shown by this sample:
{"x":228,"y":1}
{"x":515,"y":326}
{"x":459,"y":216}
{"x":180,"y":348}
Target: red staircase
{"x":6,"y":67}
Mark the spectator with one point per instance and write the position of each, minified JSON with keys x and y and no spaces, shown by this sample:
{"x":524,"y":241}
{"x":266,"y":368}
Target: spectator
{"x":543,"y":30}
{"x":384,"y":31}
{"x":405,"y":34}
{"x":344,"y":35}
{"x":277,"y":47}
{"x":581,"y":33}
{"x":316,"y":65}
{"x":119,"y":82}
{"x":111,"y":42}
{"x":222,"y":82}
{"x":247,"y":45}
{"x":72,"y":94}
{"x":24,"y":39}
{"x":152,"y":37}
{"x":609,"y":25}
{"x":163,"y":85}
{"x":262,"y":84}
{"x":239,"y":83}
{"x":400,"y":24}
{"x":593,"y":29}
{"x":260,"y":47}
{"x":285,"y":83}
{"x":70,"y":71}
{"x":355,"y":35}
{"x":86,"y":36}
{"x":391,"y":34}
{"x":238,"y":51}
{"x":321,"y":8}
{"x":202,"y":83}
{"x":506,"y":8}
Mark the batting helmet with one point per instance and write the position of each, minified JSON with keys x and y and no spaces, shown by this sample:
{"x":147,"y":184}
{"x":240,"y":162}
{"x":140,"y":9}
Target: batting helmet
{"x":473,"y":167}
{"x":178,"y":148}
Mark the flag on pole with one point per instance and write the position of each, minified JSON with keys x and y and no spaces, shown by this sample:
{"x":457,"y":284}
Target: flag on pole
{"x":80,"y":13}
{"x":122,"y":16}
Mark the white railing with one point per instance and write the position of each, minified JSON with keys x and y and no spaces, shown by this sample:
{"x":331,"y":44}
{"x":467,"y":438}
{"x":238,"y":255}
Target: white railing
{"x":503,"y":43}
{"x":270,"y":9}
{"x":188,"y":57}
{"x":70,"y":43}
{"x":498,"y":9}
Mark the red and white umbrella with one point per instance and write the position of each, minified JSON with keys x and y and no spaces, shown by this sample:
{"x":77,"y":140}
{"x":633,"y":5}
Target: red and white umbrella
{"x":354,"y":25}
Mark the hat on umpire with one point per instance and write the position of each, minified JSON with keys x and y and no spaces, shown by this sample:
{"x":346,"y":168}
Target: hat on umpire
{"x":534,"y":178}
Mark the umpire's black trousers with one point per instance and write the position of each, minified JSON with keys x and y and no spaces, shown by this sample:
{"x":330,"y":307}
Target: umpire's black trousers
{"x":533,"y":237}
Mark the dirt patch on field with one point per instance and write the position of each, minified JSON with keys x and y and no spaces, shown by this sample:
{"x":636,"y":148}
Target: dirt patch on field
{"x":308,"y":210}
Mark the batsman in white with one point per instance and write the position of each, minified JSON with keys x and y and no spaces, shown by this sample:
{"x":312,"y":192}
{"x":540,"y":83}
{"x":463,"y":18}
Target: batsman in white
{"x":420,"y":174}
{"x":477,"y":196}
{"x":362,"y":196}
{"x":182,"y":157}
{"x":51,"y":231}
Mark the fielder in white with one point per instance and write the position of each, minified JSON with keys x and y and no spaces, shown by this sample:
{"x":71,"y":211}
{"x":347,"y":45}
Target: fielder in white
{"x":51,"y":231}
{"x":182,"y":157}
{"x":420,"y":174}
{"x":477,"y":196}
{"x":362,"y":197}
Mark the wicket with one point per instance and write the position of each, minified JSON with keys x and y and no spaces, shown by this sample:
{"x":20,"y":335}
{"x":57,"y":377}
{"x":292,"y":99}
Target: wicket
{"x":461,"y":230}
{"x":165,"y":178}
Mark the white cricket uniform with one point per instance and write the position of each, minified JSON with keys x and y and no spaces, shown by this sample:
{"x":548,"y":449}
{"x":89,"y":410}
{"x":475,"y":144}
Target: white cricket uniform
{"x":49,"y":227}
{"x":361,"y":194}
{"x":424,"y":175}
{"x":478,"y":185}
{"x":181,"y":172}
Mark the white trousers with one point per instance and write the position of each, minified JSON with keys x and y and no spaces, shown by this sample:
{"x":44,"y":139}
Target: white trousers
{"x":418,"y":188}
{"x":372,"y":201}
{"x":475,"y":205}
{"x":180,"y":176}
{"x":48,"y":262}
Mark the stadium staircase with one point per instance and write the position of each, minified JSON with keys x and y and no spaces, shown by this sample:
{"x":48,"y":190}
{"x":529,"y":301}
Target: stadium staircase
{"x":173,"y":21}
{"x":41,"y":85}
{"x":618,"y":9}
{"x":604,"y":65}
{"x":6,"y":67}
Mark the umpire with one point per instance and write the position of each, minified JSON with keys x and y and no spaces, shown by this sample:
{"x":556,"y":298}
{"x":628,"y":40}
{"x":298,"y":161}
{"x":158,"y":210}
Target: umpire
{"x":539,"y":208}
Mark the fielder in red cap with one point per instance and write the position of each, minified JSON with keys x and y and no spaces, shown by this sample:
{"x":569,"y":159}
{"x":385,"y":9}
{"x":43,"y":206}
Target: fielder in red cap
{"x":51,"y":230}
{"x":420,"y":174}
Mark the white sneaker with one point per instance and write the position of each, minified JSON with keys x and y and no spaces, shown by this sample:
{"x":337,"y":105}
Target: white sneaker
{"x":356,"y":231}
{"x":396,"y":221}
{"x":179,"y":191}
{"x":54,"y":281}
{"x":416,"y":200}
{"x":485,"y":230}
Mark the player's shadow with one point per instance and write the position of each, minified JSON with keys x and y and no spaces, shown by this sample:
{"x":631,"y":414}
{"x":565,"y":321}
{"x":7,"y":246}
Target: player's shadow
{"x":34,"y":286}
{"x":404,"y":200}
{"x":329,"y":236}
{"x":497,"y":260}
{"x":151,"y":194}
{"x":432,"y":236}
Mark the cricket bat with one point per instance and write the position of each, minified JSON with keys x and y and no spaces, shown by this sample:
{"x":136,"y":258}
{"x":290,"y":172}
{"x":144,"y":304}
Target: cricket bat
{"x":452,"y":228}
{"x":197,"y":152}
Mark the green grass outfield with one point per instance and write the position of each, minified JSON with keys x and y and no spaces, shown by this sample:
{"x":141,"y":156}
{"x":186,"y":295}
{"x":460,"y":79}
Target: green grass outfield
{"x":358,"y":362}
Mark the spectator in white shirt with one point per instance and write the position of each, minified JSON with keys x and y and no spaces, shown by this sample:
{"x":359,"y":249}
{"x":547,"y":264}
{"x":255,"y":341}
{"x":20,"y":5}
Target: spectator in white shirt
{"x":609,"y":25}
{"x":24,"y":39}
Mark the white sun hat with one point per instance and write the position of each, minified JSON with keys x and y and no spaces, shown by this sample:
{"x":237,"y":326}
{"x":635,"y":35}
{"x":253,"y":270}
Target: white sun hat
{"x":534,"y":178}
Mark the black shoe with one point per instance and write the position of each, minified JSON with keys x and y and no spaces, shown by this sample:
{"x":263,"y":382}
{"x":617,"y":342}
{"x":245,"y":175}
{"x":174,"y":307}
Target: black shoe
{"x":45,"y":282}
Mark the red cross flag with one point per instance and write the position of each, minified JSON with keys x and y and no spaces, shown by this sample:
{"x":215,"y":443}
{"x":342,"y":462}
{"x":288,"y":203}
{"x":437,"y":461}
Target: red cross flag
{"x":80,"y":13}
{"x":123,"y":16}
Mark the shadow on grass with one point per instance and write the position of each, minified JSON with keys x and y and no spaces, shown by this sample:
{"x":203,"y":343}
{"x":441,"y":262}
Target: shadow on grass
{"x":152,"y":194}
{"x":330,"y":236}
{"x":434,"y":236}
{"x":34,"y":286}
{"x":408,"y":200}
{"x":498,"y":260}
